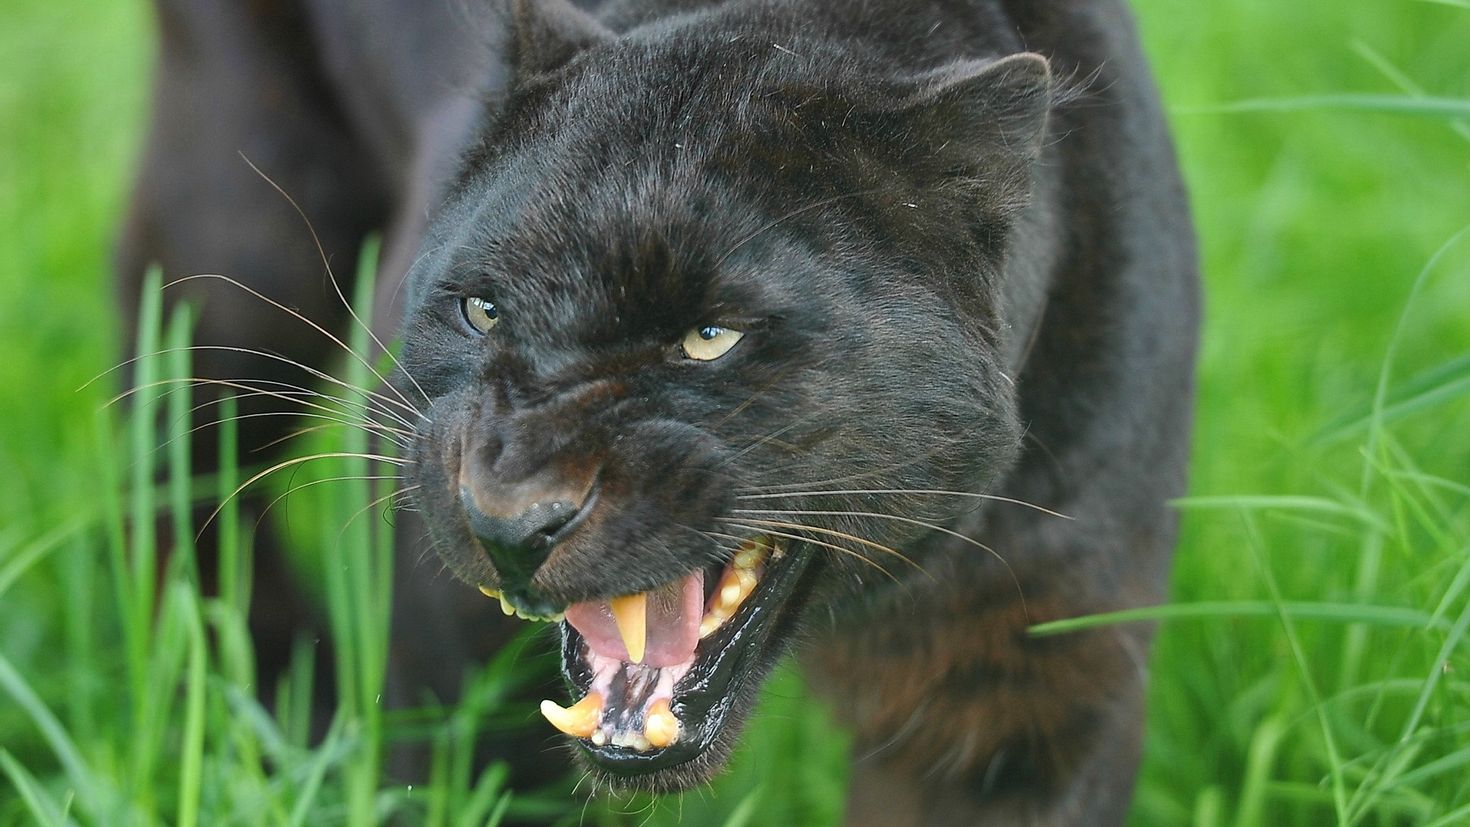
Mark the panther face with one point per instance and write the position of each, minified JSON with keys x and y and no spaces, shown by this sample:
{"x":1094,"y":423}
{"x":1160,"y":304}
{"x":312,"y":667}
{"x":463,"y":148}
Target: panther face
{"x":683,"y":332}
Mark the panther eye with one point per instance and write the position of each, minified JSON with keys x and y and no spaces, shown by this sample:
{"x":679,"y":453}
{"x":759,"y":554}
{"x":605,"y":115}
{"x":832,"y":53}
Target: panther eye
{"x":709,"y":342}
{"x":480,"y":314}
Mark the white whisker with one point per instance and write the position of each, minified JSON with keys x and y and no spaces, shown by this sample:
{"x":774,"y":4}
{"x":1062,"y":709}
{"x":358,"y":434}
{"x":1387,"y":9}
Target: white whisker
{"x":293,"y":393}
{"x":294,"y":461}
{"x":902,"y":491}
{"x":841,"y":534}
{"x":331,"y":422}
{"x":908,"y":520}
{"x":362,"y":360}
{"x":322,"y":252}
{"x":264,"y":354}
{"x":849,"y":552}
{"x":370,"y":506}
{"x":294,"y":487}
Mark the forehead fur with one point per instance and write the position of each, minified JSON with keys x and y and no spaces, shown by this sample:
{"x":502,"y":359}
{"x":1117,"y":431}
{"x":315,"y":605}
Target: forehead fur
{"x":642,"y":185}
{"x":655,"y":180}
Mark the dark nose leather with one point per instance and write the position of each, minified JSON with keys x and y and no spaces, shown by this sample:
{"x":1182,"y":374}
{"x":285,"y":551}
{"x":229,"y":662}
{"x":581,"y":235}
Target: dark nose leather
{"x":519,"y":543}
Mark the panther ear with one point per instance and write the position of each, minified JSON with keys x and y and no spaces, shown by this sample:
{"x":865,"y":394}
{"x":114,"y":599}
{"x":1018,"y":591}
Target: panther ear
{"x":547,"y":34}
{"x":985,"y":118}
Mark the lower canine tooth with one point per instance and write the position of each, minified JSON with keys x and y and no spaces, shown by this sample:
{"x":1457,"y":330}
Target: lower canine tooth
{"x":580,"y":721}
{"x":660,"y":727}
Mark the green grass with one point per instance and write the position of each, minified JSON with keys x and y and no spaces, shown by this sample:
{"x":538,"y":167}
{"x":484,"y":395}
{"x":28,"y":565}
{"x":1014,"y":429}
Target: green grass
{"x":1311,"y":669}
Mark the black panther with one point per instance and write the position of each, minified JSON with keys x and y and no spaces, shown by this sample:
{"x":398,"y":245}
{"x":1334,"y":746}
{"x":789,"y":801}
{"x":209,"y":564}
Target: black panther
{"x":862,"y":328}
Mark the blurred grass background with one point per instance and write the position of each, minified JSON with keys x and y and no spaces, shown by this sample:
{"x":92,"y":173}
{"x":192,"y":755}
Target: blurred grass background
{"x":1315,"y":223}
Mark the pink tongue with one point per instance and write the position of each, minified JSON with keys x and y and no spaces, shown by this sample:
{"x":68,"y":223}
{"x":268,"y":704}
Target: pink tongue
{"x":673,"y":624}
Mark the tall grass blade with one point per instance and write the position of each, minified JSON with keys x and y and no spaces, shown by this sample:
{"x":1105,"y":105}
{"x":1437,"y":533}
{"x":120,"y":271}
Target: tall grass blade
{"x":1265,"y":744}
{"x":1395,"y":341}
{"x":139,"y":577}
{"x":45,"y":811}
{"x":1446,"y":383}
{"x":1381,"y":616}
{"x":1318,"y":505}
{"x":1402,"y":80}
{"x":180,"y":468}
{"x":1425,"y":107}
{"x":191,"y":753}
{"x":1329,"y":737}
{"x":20,"y":562}
{"x":326,"y":755}
{"x":744,"y":812}
{"x":1456,"y":817}
{"x":90,"y":792}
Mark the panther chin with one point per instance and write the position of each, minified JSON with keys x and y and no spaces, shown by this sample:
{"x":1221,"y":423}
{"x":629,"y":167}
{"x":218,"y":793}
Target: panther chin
{"x":660,"y":680}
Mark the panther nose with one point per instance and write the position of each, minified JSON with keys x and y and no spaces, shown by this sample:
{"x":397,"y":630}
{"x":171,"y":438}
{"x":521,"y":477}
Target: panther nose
{"x":518,"y":543}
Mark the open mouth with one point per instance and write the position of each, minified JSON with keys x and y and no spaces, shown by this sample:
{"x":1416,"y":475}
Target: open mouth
{"x":655,"y":675}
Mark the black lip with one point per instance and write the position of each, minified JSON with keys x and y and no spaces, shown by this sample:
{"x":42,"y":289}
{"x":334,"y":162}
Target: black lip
{"x":704,"y":697}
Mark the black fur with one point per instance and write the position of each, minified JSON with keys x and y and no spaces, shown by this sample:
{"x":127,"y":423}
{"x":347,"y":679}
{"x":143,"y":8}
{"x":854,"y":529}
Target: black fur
{"x":954,"y":272}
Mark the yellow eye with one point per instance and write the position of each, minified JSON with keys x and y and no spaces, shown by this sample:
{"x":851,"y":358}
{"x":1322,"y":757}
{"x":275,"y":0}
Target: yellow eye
{"x":709,"y":342}
{"x":481,"y":314}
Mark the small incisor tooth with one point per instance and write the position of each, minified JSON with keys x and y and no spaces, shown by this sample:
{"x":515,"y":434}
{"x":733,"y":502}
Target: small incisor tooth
{"x":660,"y":727}
{"x":631,"y":616}
{"x":489,"y":592}
{"x":578,"y":721}
{"x":506,"y":607}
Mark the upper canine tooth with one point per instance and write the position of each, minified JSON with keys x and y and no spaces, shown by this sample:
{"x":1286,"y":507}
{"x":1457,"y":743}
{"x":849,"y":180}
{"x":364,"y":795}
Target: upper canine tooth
{"x":708,"y":625}
{"x":712,"y":620}
{"x":747,"y":580}
{"x":578,"y":721}
{"x":730,"y":593}
{"x":660,"y":727}
{"x":631,"y":616}
{"x":751,"y":553}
